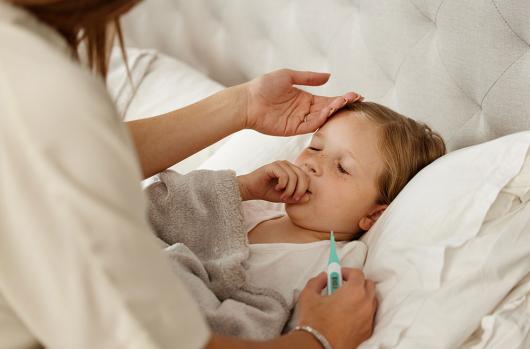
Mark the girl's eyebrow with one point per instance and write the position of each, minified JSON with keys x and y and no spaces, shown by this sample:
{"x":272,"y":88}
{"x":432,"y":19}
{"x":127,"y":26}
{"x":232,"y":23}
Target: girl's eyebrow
{"x":347,"y":151}
{"x":350,"y":153}
{"x":358,"y":164}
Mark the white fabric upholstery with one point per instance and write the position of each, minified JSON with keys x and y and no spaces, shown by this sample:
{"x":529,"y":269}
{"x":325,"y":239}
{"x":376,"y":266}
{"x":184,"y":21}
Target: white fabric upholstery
{"x":463,"y":66}
{"x":159,"y":84}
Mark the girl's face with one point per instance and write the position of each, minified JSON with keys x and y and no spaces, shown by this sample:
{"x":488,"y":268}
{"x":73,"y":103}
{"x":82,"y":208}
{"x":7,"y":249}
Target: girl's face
{"x":343,"y":163}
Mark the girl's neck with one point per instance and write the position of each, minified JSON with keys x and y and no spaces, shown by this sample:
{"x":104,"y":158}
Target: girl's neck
{"x":284,"y":230}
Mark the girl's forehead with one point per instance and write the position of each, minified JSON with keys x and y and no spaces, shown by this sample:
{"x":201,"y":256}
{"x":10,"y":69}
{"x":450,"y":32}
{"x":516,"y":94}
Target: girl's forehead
{"x":357,"y":135}
{"x":347,"y":120}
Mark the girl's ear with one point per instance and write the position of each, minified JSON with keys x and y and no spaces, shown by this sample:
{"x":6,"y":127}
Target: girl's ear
{"x":366,"y":222}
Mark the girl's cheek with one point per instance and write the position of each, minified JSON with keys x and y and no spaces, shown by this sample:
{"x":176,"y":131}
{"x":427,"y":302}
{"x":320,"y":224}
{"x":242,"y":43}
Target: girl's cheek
{"x":300,"y":159}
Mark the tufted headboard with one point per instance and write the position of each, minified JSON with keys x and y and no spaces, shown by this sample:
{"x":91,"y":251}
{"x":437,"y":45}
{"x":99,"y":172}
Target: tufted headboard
{"x":462,"y":66}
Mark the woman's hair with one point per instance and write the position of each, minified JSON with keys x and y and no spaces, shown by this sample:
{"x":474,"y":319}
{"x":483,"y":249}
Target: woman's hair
{"x":83,"y":21}
{"x":406,"y":145}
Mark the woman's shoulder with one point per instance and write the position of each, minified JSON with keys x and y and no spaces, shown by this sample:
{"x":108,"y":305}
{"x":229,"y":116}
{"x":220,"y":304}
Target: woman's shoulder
{"x":42,"y":82}
{"x":55,"y":114}
{"x":49,"y":95}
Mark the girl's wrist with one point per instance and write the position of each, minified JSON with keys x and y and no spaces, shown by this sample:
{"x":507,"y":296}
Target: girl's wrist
{"x":243,"y":188}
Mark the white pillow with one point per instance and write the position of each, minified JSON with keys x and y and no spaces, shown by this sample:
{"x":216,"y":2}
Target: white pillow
{"x":247,"y":150}
{"x":439,"y":269}
{"x":160,"y":84}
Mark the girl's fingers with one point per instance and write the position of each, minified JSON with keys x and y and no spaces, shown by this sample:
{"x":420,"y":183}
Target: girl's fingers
{"x":302,"y":184}
{"x":282,"y":176}
{"x":292,"y":180}
{"x":291,"y":184}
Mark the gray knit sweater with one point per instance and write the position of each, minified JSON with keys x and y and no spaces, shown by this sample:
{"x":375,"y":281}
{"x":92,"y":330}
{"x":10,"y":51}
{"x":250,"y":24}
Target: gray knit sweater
{"x":199,"y":217}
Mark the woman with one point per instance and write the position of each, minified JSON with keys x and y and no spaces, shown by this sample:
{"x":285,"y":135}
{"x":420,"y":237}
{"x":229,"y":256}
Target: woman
{"x":78,"y":268}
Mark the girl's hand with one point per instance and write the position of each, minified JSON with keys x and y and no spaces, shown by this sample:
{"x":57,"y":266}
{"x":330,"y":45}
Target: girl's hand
{"x":280,"y":181}
{"x":275,"y":107}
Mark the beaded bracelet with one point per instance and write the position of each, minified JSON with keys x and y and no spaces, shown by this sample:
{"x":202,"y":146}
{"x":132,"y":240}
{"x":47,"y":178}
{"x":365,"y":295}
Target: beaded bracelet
{"x":318,"y":336}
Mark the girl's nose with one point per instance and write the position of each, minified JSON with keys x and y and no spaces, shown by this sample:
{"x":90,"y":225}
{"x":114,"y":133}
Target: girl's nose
{"x":313,"y":168}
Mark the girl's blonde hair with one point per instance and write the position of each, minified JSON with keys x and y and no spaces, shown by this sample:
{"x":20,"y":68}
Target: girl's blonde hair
{"x":406,"y":145}
{"x":91,"y":22}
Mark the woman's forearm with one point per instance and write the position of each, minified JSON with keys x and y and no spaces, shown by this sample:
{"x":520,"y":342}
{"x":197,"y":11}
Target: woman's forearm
{"x":296,"y":339}
{"x":167,"y":139}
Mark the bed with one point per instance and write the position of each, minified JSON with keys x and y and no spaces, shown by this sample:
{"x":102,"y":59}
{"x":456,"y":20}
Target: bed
{"x":459,"y":279}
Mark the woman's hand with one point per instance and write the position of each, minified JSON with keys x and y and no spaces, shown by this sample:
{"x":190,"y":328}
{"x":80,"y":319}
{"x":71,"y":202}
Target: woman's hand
{"x":280,"y":181}
{"x":346,"y":318}
{"x":275,"y":107}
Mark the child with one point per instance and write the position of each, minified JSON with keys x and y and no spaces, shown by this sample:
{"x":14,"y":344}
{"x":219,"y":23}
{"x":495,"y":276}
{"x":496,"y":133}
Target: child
{"x":248,"y":270}
{"x":354,"y":167}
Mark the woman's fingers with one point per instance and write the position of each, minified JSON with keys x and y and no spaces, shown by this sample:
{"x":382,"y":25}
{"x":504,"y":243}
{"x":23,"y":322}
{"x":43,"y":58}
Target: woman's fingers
{"x":352,"y":274}
{"x":307,"y":78}
{"x":317,"y":283}
{"x":311,"y":122}
{"x":351,"y":96}
{"x":323,"y":108}
{"x":340,"y":102}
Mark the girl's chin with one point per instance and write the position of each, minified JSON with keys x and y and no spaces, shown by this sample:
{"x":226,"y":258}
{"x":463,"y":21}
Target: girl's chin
{"x":296,"y":205}
{"x":298,"y":210}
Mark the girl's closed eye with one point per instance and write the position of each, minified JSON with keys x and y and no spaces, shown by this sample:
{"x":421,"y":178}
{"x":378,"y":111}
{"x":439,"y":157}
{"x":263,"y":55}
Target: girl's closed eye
{"x":341,"y":169}
{"x":313,"y":148}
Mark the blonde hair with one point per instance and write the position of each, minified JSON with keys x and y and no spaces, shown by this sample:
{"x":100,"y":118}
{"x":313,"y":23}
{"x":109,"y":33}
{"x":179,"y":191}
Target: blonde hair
{"x":83,"y":21}
{"x":406,"y":145}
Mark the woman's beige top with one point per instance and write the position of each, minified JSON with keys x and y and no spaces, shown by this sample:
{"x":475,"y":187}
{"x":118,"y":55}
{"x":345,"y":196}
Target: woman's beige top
{"x":79,"y":267}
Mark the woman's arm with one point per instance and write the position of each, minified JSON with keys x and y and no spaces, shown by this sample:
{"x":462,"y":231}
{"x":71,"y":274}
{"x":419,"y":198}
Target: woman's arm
{"x":269,"y":104}
{"x":167,"y":139}
{"x":345,"y":319}
{"x":297,"y":339}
